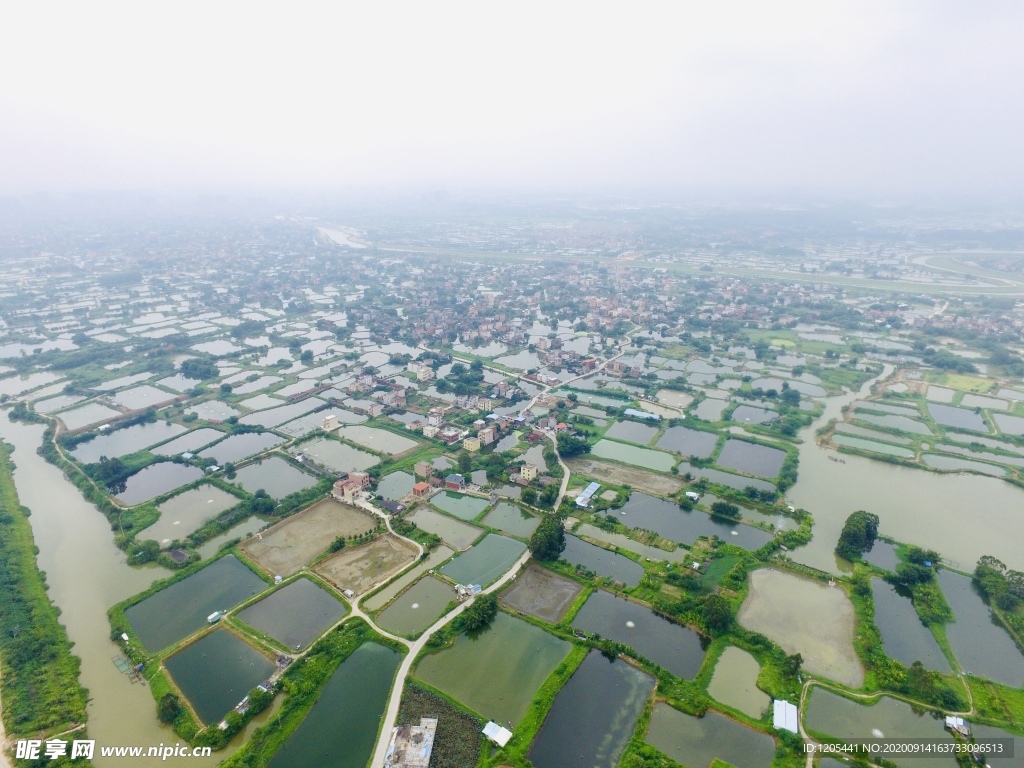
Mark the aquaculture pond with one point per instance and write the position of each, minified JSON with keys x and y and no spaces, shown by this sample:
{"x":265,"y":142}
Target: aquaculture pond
{"x":632,"y":432}
{"x":496,"y":672}
{"x":379,"y":440}
{"x":689,"y":442}
{"x":882,"y":555}
{"x":275,"y":476}
{"x":674,"y":647}
{"x":295,"y":615}
{"x":180,"y":609}
{"x":751,"y":458}
{"x":1008,"y":425}
{"x":541,"y":593}
{"x":512,"y":519}
{"x":157,"y":479}
{"x":697,"y":741}
{"x":829,"y":713}
{"x":710,"y":409}
{"x":734,"y":683}
{"x":91,"y":413}
{"x":981,"y":645}
{"x":465,"y":507}
{"x":240,"y":530}
{"x":728,"y":479}
{"x":901,"y":423}
{"x":904,"y":637}
{"x":336,"y":455}
{"x":668,"y":520}
{"x":593,"y":717}
{"x":961,"y":418}
{"x":806,"y":617}
{"x":953,"y":464}
{"x":124,"y":441}
{"x":238,"y":447}
{"x":417,"y":608}
{"x":885,"y":449}
{"x":622,"y":541}
{"x":630,"y":454}
{"x":340,"y":730}
{"x":486,"y":562}
{"x":190,"y":441}
{"x":455,"y":533}
{"x":182,"y":514}
{"x":602,"y":561}
{"x":395,"y":486}
{"x":871,"y":434}
{"x":216,"y":672}
{"x":749,"y":414}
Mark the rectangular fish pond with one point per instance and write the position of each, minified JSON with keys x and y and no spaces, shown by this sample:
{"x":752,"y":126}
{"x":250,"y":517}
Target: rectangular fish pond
{"x":340,"y":730}
{"x":602,"y":561}
{"x":486,"y":562}
{"x":177,"y":611}
{"x":417,"y":608}
{"x":512,"y":519}
{"x":697,"y":741}
{"x":593,"y":717}
{"x":157,"y":479}
{"x":676,"y":648}
{"x":463,"y":507}
{"x":295,"y":615}
{"x":668,"y":520}
{"x":496,"y":672}
{"x":216,"y":672}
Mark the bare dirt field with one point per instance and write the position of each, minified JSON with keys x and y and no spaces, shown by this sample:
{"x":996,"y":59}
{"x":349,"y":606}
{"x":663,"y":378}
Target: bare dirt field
{"x":639,"y":479}
{"x":364,"y":567}
{"x":289,"y":545}
{"x":541,"y":593}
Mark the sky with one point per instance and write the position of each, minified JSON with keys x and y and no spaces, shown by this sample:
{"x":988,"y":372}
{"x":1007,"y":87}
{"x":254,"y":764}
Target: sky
{"x":865,"y":97}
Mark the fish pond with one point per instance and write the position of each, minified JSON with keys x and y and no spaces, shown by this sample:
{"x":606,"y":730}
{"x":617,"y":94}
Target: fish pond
{"x":954,"y":464}
{"x":981,"y":645}
{"x":749,"y":414}
{"x":455,"y":533}
{"x":295,"y":615}
{"x":512,"y":519}
{"x":190,"y":441}
{"x":179,"y":610}
{"x":885,"y":449}
{"x":497,"y":671}
{"x":340,"y":730}
{"x":91,"y":413}
{"x":632,"y":432}
{"x":237,"y":447}
{"x":216,"y":672}
{"x":829,"y":713}
{"x":668,"y":520}
{"x":395,"y":486}
{"x":486,"y":562}
{"x":336,"y":455}
{"x":379,"y":440}
{"x":728,"y":479}
{"x":882,"y":555}
{"x":688,"y":442}
{"x":805,"y":617}
{"x":630,"y":454}
{"x":961,"y":418}
{"x":900,"y":423}
{"x":734,"y":683}
{"x":541,"y":593}
{"x":602,"y":561}
{"x":751,"y":458}
{"x":904,"y":637}
{"x":698,"y":741}
{"x":417,"y":608}
{"x":157,"y":479}
{"x":593,"y":717}
{"x":676,"y":648}
{"x":182,"y":514}
{"x":464,"y":507}
{"x":275,"y":476}
{"x":124,"y":441}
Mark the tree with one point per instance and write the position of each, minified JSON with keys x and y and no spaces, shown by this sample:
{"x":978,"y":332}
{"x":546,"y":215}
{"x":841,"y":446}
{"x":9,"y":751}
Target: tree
{"x":338,"y":544}
{"x":548,"y":540}
{"x":529,"y":496}
{"x":465,"y":463}
{"x":724,"y":509}
{"x":572,"y":446}
{"x":791,"y":665}
{"x":306,"y":356}
{"x":858,"y":536}
{"x":717,"y":613}
{"x":480,"y":613}
{"x":200,"y":368}
{"x":168,"y":708}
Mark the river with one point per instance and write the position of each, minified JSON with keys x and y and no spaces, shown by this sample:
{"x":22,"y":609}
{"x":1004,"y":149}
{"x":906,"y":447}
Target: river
{"x":87,"y":574}
{"x":961,"y":516}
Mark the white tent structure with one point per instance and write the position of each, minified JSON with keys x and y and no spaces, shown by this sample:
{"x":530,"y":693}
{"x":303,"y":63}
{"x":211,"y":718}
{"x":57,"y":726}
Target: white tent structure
{"x":497,"y":734}
{"x":785,"y":717}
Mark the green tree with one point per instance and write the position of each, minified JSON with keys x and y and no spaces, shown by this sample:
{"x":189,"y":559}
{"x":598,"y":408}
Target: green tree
{"x":548,"y":540}
{"x":572,"y":446}
{"x":480,"y":613}
{"x":529,"y":495}
{"x":717,"y":613}
{"x":791,"y":665}
{"x":858,"y":536}
{"x":465,"y":463}
{"x":168,"y":708}
{"x":725,"y":509}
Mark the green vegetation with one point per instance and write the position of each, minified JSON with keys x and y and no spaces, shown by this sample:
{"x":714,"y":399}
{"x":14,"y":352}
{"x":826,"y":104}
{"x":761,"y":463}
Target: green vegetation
{"x":458,"y":741}
{"x":201,"y":368}
{"x":548,"y":540}
{"x":858,"y":535}
{"x":39,"y":687}
{"x":1004,"y":589}
{"x":479,"y":615}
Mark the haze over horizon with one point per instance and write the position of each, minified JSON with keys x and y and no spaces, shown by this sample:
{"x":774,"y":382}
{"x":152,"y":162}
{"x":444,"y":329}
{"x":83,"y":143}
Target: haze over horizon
{"x":909,"y":98}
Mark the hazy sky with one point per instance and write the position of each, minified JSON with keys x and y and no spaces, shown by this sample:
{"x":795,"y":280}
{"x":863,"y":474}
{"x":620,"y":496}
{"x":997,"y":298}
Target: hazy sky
{"x":866,"y":96}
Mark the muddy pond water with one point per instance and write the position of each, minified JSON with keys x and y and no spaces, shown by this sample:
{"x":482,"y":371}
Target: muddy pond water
{"x":697,"y":741}
{"x":464,"y":507}
{"x":295,"y":615}
{"x":184,"y":513}
{"x":485,"y":562}
{"x":512,"y":519}
{"x":275,"y":476}
{"x":417,"y":608}
{"x":734,"y":683}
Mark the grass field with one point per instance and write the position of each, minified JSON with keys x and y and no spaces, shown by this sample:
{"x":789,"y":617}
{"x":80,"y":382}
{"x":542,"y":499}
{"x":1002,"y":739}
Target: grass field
{"x":964,"y":382}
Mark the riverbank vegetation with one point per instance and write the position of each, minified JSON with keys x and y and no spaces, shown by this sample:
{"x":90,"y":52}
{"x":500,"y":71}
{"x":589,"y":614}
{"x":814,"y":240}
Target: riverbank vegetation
{"x":39,"y":685}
